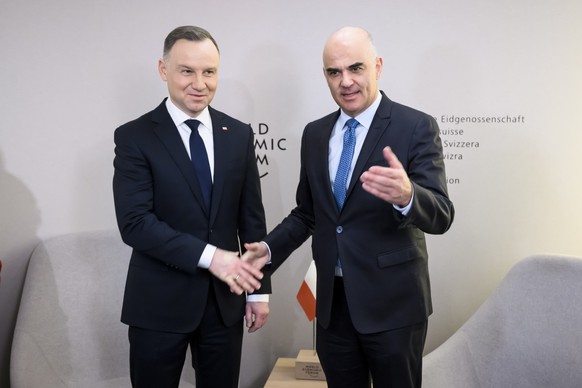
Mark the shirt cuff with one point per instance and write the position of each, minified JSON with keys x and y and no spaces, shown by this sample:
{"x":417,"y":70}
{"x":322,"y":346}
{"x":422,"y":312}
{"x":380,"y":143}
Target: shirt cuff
{"x":404,"y":210}
{"x":258,"y":298}
{"x":206,"y":257}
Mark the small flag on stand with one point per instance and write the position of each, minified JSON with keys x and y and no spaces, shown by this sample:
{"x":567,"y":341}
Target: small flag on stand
{"x":306,"y":293}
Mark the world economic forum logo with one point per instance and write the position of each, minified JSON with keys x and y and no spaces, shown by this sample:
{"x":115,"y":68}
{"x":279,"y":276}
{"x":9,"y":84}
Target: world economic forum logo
{"x":265,"y":147}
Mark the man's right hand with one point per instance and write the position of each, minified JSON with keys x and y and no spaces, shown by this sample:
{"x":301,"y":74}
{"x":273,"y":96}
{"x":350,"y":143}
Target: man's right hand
{"x":257,"y":254}
{"x":238,"y":274}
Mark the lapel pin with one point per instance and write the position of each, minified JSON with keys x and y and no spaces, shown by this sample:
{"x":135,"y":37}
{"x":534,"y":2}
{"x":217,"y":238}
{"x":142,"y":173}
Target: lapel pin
{"x":224,"y":128}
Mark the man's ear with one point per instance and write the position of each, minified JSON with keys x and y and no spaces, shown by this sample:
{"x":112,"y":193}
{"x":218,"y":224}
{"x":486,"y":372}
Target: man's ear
{"x":379,"y":63}
{"x":162,"y":69}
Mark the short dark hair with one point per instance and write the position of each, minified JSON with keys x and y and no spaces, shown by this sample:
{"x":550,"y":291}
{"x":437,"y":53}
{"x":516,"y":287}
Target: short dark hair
{"x":191,"y":33}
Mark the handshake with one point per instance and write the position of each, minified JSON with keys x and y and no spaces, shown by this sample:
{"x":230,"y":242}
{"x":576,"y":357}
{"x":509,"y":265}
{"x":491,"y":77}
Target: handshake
{"x":241,"y":273}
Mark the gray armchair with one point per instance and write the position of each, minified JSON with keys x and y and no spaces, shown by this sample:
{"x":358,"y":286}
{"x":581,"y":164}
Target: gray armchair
{"x":527,"y":334}
{"x":68,"y":331}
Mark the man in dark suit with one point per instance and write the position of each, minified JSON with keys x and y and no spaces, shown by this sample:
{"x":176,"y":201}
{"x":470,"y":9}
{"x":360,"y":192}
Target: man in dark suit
{"x":186,"y":192}
{"x":367,"y":193}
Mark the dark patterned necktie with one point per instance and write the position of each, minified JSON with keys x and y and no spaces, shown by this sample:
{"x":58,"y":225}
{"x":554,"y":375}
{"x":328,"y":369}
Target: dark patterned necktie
{"x":200,"y":161}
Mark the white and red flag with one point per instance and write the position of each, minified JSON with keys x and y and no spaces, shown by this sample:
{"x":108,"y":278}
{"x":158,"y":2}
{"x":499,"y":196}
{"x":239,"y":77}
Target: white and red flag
{"x":306,"y":293}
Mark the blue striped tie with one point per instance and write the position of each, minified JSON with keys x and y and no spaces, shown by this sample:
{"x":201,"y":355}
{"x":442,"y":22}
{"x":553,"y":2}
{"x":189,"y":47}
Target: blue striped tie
{"x":341,"y":178}
{"x":200,"y":161}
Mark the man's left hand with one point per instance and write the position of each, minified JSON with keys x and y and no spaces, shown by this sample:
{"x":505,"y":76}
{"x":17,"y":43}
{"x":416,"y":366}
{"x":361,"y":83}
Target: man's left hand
{"x":388,"y":183}
{"x":256,"y":315}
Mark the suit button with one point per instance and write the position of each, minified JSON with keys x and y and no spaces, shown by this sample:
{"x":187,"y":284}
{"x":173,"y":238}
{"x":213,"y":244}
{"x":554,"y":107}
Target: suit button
{"x":339,"y":229}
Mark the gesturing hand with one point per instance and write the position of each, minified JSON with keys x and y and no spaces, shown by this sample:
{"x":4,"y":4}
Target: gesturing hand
{"x":388,"y":183}
{"x":239,"y":275}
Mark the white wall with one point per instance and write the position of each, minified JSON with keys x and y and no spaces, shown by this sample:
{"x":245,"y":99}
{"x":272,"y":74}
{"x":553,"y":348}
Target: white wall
{"x":72,"y":71}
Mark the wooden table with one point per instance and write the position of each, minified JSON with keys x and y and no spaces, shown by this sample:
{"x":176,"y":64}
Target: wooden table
{"x":283,"y":376}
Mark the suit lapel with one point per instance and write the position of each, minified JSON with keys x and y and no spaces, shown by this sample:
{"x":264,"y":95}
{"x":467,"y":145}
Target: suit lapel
{"x":220,"y":163}
{"x":377,"y":128}
{"x":321,"y":151}
{"x":168,"y":134}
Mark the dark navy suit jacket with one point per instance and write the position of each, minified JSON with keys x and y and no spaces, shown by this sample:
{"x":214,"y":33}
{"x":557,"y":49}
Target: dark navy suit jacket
{"x":383,"y":254}
{"x":162,"y":216}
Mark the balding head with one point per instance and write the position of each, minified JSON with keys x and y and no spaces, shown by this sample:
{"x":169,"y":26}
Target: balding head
{"x":352,"y":69}
{"x":348,"y":37}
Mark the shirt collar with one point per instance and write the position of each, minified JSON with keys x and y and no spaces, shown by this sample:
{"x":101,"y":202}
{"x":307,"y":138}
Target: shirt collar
{"x":365,"y":118}
{"x":178,"y":116}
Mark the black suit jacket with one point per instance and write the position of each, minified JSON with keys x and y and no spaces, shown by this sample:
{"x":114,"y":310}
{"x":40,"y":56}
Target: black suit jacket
{"x":162,"y":216}
{"x":383,"y":254}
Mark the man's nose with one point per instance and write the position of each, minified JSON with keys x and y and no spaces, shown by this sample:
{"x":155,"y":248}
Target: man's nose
{"x":346,"y":80}
{"x":198,"y":83}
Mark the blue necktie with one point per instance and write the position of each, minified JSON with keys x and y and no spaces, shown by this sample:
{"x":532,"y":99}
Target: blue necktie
{"x":341,"y":177}
{"x":200,"y":161}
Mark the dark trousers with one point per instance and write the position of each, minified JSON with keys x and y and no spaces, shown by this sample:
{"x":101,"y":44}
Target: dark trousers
{"x":157,"y":358}
{"x":391,"y":359}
